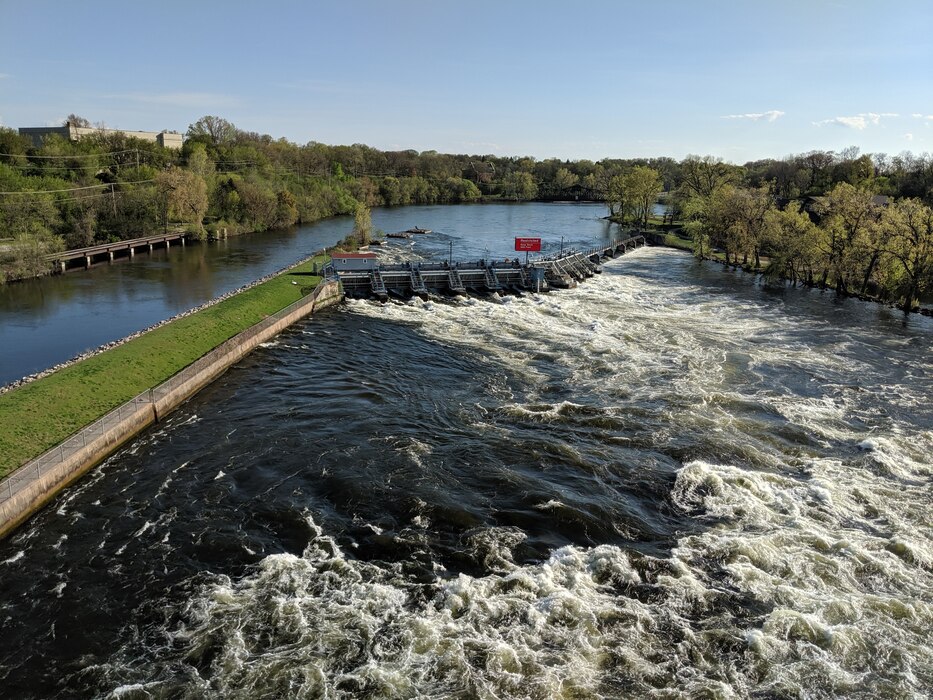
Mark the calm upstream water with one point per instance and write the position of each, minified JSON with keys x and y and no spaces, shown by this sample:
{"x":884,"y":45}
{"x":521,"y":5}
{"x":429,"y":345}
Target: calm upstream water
{"x":668,"y":482}
{"x":47,"y":321}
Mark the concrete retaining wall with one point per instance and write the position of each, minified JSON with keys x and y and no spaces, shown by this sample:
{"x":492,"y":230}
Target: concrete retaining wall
{"x":33,"y":494}
{"x":208,"y":368}
{"x":34,"y":484}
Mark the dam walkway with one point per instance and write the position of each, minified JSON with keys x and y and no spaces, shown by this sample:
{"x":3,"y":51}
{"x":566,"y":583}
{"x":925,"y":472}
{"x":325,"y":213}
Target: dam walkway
{"x":406,"y":279}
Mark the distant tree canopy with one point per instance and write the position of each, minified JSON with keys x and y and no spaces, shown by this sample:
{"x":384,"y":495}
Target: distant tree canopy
{"x":214,"y":130}
{"x":75,"y":120}
{"x":225,"y":177}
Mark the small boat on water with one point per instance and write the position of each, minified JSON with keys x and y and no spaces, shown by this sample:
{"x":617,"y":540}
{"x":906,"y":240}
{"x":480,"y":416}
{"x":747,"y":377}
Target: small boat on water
{"x":416,"y":229}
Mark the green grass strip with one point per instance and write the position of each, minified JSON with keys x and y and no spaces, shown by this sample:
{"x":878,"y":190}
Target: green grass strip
{"x":677,"y":242}
{"x":43,"y":413}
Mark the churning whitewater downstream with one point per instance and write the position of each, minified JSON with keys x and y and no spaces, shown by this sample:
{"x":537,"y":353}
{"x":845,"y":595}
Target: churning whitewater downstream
{"x":668,"y":482}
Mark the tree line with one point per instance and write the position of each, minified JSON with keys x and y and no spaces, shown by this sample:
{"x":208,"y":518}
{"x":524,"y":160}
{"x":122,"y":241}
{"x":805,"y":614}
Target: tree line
{"x":849,"y":238}
{"x":228,"y":178}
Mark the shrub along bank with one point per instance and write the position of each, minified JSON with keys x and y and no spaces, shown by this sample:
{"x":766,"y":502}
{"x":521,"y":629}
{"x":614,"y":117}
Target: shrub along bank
{"x":43,"y":413}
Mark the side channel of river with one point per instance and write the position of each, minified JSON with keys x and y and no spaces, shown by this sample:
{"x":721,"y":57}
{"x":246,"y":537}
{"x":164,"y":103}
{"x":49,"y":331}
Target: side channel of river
{"x":46,"y":321}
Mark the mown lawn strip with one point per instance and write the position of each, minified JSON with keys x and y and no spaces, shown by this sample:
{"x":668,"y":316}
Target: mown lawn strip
{"x":43,"y":413}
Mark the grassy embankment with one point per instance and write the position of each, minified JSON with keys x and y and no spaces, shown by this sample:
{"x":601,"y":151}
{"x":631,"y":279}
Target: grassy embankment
{"x":679,"y":240}
{"x":43,"y":413}
{"x":672,"y":240}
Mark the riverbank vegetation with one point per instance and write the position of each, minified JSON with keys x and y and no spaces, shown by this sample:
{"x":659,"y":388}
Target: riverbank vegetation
{"x":851,"y":239}
{"x":112,"y":186}
{"x":83,"y":392}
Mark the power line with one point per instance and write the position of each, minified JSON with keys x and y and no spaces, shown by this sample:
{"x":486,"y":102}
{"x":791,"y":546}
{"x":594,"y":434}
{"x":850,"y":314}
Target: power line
{"x":91,"y":196}
{"x":36,"y":166}
{"x":75,"y":189}
{"x":77,"y":155}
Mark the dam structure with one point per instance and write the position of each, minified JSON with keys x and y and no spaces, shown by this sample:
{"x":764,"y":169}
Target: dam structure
{"x":362,"y":275}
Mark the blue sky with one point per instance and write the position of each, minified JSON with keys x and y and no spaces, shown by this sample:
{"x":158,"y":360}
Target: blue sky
{"x":739,"y":80}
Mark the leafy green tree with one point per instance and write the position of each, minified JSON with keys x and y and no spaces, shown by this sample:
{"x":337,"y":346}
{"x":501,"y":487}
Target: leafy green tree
{"x":597,"y":181}
{"x":258,"y":205}
{"x":15,"y":145}
{"x":286,"y":213}
{"x":642,"y":187}
{"x":749,"y":209}
{"x":28,"y":219}
{"x":390,"y":189}
{"x":796,"y":246}
{"x":199,"y":163}
{"x":850,"y":218}
{"x":701,"y":177}
{"x":212,"y":130}
{"x":365,"y":190}
{"x":362,"y":225}
{"x":616,"y":196}
{"x":519,"y":186}
{"x":185,"y":196}
{"x":139,"y":210}
{"x":24,"y":256}
{"x":457,"y":189}
{"x":908,"y":225}
{"x":564,"y":179}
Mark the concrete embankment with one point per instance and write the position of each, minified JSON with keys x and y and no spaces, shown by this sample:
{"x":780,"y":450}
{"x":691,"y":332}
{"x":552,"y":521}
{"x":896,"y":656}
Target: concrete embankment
{"x":34,"y":484}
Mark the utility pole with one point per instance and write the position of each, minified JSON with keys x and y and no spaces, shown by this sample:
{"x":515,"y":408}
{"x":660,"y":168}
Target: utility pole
{"x":113,"y":200}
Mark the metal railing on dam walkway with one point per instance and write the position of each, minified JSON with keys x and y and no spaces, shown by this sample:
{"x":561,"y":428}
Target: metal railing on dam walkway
{"x":372,"y":279}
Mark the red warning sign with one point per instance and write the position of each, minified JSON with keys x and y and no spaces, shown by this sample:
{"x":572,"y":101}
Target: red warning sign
{"x":528,"y":245}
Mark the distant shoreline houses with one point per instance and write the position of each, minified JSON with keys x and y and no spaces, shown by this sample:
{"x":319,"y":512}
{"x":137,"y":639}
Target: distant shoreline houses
{"x":72,"y":132}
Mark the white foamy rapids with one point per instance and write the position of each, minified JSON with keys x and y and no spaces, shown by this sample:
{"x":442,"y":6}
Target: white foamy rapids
{"x":806,"y":576}
{"x":710,"y":359}
{"x":612,"y":331}
{"x":320,"y":625}
{"x":842,"y":559}
{"x":844,"y":610}
{"x":15,"y":558}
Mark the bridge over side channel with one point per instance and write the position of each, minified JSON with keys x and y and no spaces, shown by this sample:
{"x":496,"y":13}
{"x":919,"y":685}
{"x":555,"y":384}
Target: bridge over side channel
{"x":364,"y":276}
{"x":107,"y":251}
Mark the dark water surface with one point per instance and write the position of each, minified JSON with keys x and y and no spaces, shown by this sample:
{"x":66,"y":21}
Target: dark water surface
{"x":50,"y":320}
{"x":668,"y":482}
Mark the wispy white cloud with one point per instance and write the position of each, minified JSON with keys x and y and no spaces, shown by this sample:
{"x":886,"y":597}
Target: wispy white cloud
{"x":859,"y":121}
{"x":180,"y":99}
{"x":768,"y":116}
{"x":4,"y":76}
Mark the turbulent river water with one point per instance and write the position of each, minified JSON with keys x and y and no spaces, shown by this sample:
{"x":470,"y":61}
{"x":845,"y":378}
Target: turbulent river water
{"x":668,"y":482}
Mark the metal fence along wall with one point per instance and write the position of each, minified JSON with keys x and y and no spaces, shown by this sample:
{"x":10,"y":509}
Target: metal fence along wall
{"x":48,"y":461}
